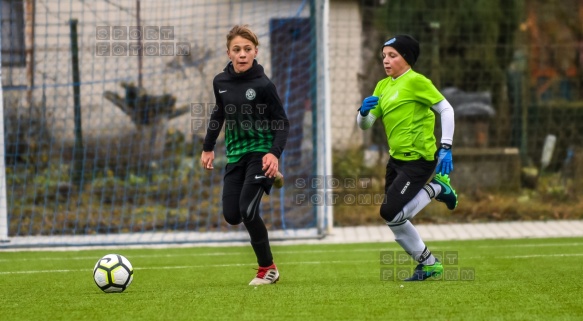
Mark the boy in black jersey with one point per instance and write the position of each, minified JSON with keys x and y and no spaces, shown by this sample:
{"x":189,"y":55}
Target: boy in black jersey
{"x":256,"y":130}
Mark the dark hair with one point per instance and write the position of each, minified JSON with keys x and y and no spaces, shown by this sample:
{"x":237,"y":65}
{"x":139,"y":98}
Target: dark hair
{"x":244,"y":32}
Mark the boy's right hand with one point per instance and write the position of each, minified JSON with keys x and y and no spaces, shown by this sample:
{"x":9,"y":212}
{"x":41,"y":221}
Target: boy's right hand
{"x":367,"y":104}
{"x":207,"y":159}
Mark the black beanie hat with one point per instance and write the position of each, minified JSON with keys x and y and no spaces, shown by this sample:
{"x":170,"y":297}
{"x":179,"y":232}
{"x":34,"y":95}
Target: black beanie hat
{"x":406,"y":46}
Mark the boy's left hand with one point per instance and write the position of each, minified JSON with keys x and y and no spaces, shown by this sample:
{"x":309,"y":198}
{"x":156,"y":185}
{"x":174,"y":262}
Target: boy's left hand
{"x":270,"y":165}
{"x":444,"y":161}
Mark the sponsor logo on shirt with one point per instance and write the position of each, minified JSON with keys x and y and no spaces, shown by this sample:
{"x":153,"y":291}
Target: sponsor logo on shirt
{"x":394,"y":96}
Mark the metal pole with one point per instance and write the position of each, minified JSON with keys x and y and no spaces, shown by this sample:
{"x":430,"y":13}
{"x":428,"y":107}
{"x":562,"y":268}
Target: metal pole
{"x":3,"y":204}
{"x":78,"y":149}
{"x":435,"y":72}
{"x":325,"y":214}
{"x":525,"y":105}
{"x":29,"y":29}
{"x":140,"y":49}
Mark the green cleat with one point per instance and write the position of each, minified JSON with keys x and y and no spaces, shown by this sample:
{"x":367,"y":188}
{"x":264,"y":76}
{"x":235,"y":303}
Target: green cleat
{"x":423,"y":272}
{"x":447,"y":194}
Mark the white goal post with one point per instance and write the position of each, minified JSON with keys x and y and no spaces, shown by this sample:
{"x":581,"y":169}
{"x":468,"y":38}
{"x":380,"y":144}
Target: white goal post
{"x":3,"y":204}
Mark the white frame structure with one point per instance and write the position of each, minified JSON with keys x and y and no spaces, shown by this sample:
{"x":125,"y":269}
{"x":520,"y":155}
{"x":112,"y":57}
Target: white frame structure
{"x":325,"y":212}
{"x":3,"y":204}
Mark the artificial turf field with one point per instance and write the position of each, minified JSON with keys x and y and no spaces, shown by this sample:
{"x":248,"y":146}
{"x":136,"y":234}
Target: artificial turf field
{"x":526,"y":279}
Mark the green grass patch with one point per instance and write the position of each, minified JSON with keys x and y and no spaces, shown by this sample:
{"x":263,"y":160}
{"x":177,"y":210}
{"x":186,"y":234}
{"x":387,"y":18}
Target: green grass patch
{"x":529,"y":279}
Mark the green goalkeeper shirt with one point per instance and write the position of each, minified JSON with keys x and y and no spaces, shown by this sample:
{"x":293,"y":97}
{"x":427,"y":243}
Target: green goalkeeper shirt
{"x":405,"y":109}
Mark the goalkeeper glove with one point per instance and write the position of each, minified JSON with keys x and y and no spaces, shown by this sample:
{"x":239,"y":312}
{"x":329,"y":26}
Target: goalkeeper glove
{"x":367,"y":104}
{"x":444,"y":160}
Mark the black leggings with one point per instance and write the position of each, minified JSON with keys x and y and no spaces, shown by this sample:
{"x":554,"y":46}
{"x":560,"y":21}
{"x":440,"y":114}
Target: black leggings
{"x":244,"y":185}
{"x":244,"y":206}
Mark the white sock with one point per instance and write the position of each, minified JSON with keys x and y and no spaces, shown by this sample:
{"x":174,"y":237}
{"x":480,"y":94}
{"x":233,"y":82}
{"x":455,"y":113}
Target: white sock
{"x":408,"y":237}
{"x":436,"y":188}
{"x":422,"y":199}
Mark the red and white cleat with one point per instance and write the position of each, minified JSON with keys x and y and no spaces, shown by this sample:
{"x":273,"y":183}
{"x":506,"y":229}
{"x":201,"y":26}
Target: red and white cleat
{"x":266,"y":275}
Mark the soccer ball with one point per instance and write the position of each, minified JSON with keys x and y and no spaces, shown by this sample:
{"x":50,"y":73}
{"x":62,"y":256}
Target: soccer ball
{"x":113,"y":273}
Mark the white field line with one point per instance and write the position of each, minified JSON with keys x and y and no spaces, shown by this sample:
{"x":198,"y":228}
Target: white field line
{"x":396,"y":248}
{"x":192,"y":254}
{"x":539,"y":255}
{"x":191,"y":266}
{"x":279,"y":263}
{"x":530,"y":245}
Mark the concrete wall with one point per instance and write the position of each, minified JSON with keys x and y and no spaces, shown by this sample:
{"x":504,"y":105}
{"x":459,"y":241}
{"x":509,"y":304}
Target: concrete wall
{"x":201,"y":24}
{"x":345,"y":34}
{"x":486,"y":169}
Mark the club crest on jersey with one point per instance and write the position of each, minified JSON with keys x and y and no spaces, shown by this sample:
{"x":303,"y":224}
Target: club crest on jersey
{"x":250,"y":94}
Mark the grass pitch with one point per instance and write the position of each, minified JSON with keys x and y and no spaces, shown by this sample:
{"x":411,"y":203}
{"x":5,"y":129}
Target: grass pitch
{"x":529,"y":279}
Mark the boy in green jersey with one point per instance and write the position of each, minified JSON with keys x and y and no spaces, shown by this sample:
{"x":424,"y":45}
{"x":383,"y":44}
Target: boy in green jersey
{"x":256,"y":130}
{"x":404,"y":102}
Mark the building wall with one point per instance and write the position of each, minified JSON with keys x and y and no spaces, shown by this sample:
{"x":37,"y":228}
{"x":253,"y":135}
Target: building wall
{"x":345,"y":35}
{"x":201,"y":24}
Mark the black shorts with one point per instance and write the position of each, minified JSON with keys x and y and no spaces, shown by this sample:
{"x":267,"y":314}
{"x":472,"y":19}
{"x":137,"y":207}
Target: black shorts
{"x":417,"y":173}
{"x":404,"y":179}
{"x":247,"y":171}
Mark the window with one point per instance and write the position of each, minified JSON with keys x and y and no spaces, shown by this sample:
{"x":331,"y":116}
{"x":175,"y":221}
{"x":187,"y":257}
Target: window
{"x":12,"y":26}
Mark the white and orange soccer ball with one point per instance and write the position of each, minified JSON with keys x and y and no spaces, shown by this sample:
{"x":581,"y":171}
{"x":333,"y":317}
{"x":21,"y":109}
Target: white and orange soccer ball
{"x":113,"y":273}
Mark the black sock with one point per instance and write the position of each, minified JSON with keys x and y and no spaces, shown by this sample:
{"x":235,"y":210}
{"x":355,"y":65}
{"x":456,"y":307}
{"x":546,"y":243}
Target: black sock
{"x":260,"y":241}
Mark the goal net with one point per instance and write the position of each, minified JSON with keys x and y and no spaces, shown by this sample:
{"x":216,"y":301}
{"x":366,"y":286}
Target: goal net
{"x":105,"y":106}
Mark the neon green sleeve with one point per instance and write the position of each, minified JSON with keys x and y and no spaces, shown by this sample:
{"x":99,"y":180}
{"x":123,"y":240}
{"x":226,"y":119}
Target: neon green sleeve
{"x":425,"y":91}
